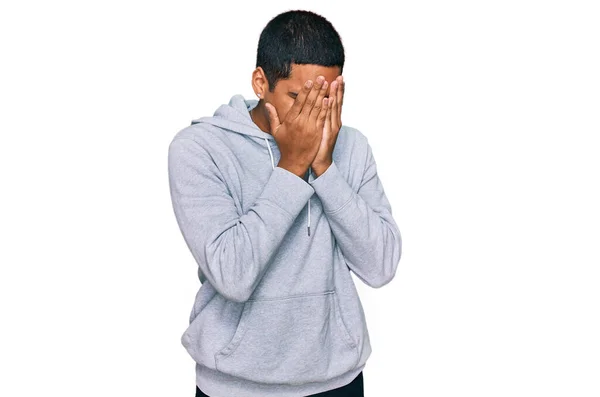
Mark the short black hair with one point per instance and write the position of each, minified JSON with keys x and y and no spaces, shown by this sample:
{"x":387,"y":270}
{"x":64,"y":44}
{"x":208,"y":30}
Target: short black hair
{"x":300,"y":37}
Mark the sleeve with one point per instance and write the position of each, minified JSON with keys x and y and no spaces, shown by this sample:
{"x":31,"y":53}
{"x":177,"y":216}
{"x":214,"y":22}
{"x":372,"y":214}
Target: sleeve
{"x":361,"y":222}
{"x":233,"y":251}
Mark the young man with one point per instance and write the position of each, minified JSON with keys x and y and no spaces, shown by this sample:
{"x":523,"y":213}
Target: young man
{"x":278,"y":202}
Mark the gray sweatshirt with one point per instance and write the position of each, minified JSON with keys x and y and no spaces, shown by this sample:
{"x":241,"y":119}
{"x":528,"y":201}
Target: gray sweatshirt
{"x":277,"y":312}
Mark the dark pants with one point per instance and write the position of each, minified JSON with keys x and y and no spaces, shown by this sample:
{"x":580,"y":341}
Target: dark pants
{"x":352,"y":389}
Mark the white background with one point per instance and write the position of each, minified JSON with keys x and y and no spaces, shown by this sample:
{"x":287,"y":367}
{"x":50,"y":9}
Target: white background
{"x":483,"y":117}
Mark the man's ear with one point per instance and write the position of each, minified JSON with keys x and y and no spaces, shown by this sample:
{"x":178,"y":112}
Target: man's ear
{"x":259,"y":82}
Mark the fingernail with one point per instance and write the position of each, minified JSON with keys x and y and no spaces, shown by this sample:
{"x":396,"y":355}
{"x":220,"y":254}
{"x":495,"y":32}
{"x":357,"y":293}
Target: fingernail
{"x":320,"y":79}
{"x":308,"y":84}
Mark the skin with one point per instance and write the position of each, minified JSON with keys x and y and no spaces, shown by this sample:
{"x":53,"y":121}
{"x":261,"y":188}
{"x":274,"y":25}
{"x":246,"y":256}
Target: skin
{"x":288,"y":91}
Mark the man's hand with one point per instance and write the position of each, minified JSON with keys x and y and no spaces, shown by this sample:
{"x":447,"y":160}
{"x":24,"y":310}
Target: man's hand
{"x":299,"y":134}
{"x":333,"y":123}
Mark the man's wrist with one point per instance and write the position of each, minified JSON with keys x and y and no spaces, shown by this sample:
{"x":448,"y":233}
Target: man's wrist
{"x":298,"y":171}
{"x":320,"y":168}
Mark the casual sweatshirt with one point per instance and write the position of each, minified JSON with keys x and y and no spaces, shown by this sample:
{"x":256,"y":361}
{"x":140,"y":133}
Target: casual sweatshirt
{"x":277,"y":312}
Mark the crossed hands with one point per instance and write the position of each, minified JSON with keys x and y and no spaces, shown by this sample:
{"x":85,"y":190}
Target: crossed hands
{"x":307,"y":135}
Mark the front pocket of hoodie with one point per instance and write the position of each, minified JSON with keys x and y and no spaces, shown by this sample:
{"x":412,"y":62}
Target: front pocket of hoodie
{"x":292,"y":340}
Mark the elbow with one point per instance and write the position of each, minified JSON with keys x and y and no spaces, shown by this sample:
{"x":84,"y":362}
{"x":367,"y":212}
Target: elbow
{"x":390,"y":261}
{"x":382,"y":279}
{"x":234,"y":293}
{"x":230,"y":273}
{"x":233,"y":288}
{"x":226,"y":277}
{"x":383,"y":274}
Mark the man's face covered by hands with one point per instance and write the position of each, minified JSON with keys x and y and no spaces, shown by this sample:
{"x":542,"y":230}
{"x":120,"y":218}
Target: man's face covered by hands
{"x":286,"y":90}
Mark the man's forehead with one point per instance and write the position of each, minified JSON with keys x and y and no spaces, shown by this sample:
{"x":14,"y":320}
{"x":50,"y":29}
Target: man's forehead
{"x":300,"y":73}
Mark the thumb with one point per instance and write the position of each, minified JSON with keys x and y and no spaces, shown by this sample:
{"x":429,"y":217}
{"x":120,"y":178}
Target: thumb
{"x":273,"y":118}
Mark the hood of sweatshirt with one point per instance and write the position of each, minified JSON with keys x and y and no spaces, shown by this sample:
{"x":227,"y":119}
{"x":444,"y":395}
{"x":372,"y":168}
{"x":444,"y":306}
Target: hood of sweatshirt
{"x":234,"y":117}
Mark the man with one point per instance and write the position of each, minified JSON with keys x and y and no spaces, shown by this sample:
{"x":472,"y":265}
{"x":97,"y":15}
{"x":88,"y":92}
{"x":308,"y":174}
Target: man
{"x":278,"y":202}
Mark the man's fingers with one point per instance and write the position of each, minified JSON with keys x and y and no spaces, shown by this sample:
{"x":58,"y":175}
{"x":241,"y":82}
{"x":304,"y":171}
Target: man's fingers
{"x":322,"y":114}
{"x":312,"y":98}
{"x":337,"y":88}
{"x":330,"y":104}
{"x":318,"y":106}
{"x":333,"y":100}
{"x":341,"y":89}
{"x":299,"y":102}
{"x":273,"y":118}
{"x":340,"y":99}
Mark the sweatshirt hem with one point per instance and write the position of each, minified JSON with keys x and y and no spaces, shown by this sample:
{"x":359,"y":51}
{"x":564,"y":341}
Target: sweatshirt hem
{"x":218,"y":384}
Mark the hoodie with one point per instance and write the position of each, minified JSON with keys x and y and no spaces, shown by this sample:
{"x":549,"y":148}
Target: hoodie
{"x":277,"y":312}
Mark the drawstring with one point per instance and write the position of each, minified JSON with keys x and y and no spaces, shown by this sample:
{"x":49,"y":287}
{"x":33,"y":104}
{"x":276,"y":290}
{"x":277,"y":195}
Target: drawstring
{"x":270,"y":153}
{"x":273,"y":165}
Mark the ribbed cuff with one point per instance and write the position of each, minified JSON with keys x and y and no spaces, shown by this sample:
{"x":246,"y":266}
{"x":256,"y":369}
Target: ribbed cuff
{"x":333,"y":189}
{"x":287,"y":191}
